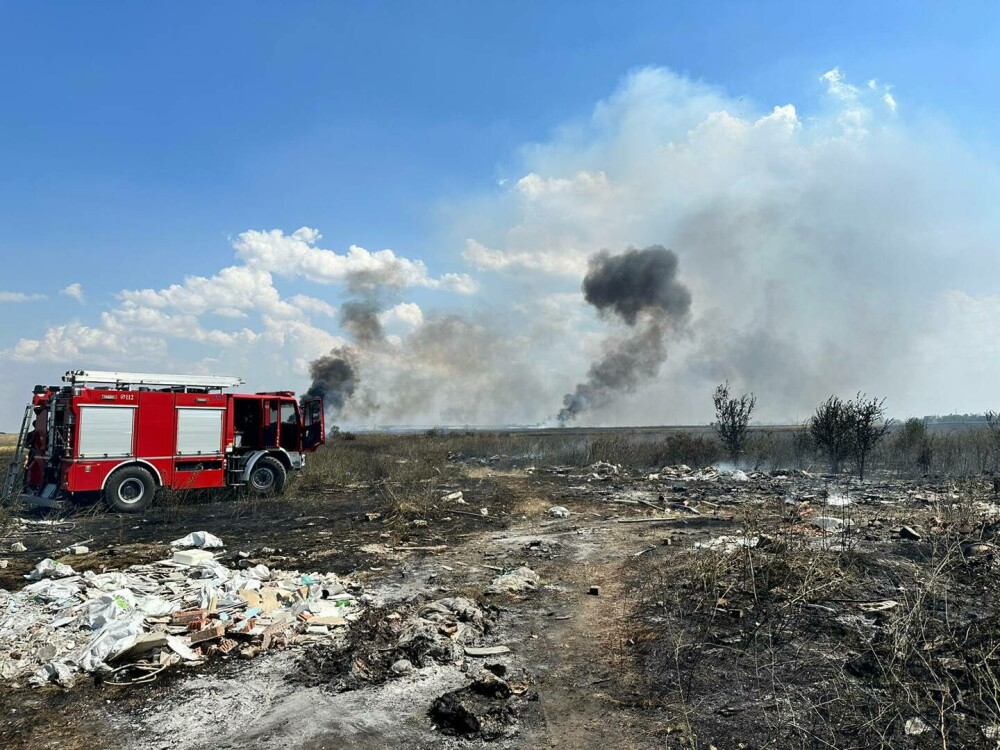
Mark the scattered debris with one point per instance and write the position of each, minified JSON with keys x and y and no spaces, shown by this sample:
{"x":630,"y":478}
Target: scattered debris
{"x":828,"y":523}
{"x":878,"y":607}
{"x":977,"y":549}
{"x":486,"y":650}
{"x":916,"y":726}
{"x":728,"y":544}
{"x":402,"y":667}
{"x":522,"y":579}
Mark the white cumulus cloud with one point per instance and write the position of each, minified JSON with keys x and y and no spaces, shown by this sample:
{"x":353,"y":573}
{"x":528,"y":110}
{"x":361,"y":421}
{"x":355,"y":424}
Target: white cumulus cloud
{"x":20,"y":297}
{"x":74,"y":291}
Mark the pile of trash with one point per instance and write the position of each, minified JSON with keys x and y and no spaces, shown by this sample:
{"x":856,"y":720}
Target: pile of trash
{"x":685,"y":473}
{"x":486,"y":708}
{"x":602,"y":471}
{"x":129,"y":625}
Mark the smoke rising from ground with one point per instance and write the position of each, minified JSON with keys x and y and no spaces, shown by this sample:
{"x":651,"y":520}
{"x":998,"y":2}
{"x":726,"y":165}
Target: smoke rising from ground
{"x":639,"y":287}
{"x":334,"y":379}
{"x":360,"y":318}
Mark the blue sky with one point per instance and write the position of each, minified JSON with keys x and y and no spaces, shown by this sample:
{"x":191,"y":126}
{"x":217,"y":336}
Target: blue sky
{"x":138,"y":140}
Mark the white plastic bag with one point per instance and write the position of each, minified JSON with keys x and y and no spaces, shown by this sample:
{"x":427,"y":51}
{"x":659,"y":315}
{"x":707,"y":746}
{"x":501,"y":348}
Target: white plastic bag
{"x":200,"y":539}
{"x":49,"y":568}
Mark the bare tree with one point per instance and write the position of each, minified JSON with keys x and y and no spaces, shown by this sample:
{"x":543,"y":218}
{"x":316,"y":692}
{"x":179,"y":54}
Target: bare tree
{"x":832,"y":430}
{"x":868,"y":427}
{"x":732,"y":419}
{"x":914,"y":444}
{"x":925,"y":454}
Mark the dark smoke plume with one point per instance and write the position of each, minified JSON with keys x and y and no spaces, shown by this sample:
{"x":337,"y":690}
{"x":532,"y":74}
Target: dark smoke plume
{"x":641,"y":288}
{"x":360,"y":319}
{"x":334,"y":378}
{"x":634,"y":282}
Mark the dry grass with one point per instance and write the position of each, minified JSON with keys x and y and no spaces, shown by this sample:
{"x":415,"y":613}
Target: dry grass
{"x":782,"y":644}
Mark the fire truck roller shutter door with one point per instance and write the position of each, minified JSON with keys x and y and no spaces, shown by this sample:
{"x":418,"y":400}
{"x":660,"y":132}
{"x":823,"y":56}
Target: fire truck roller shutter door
{"x":106,"y":431}
{"x":199,"y":431}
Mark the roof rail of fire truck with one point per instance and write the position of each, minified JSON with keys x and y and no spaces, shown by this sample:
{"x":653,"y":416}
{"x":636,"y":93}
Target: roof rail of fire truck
{"x":134,"y":379}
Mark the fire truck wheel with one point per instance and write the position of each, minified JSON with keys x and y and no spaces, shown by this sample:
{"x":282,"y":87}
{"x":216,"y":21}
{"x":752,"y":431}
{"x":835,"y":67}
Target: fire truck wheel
{"x":129,"y":490}
{"x":267,"y":477}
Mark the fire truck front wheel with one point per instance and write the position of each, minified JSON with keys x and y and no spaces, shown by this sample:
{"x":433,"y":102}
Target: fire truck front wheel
{"x":129,"y":490}
{"x":267,"y":477}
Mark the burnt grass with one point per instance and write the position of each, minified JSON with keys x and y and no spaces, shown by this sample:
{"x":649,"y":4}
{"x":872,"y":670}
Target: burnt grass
{"x":799,"y":642}
{"x":805,"y":640}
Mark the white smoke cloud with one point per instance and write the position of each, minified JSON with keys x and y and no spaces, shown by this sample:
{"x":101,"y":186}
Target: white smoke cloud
{"x":827,"y":251}
{"x":817,"y":247}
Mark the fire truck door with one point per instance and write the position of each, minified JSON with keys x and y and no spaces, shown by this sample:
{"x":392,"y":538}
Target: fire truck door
{"x":270,"y":424}
{"x":313,"y":432}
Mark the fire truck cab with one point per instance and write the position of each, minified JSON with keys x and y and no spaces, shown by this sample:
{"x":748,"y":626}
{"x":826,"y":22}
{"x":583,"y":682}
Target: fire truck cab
{"x":125,"y":435}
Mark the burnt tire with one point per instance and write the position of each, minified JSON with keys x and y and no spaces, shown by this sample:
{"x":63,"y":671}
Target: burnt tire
{"x":267,"y":477}
{"x":130,"y":490}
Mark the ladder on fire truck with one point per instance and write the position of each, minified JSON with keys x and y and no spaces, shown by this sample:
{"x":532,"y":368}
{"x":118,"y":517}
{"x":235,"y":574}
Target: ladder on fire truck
{"x":15,"y":472}
{"x":136,"y":380}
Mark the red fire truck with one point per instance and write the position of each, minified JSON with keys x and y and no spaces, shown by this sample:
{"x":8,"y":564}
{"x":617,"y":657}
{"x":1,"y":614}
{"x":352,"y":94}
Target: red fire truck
{"x":123,"y":435}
